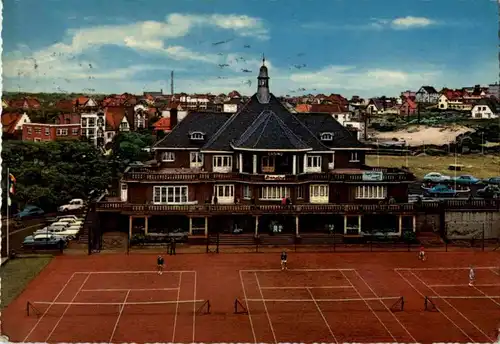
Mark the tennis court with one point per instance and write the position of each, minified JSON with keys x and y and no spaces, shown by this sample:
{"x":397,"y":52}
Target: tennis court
{"x":119,"y":306}
{"x":326,"y":297}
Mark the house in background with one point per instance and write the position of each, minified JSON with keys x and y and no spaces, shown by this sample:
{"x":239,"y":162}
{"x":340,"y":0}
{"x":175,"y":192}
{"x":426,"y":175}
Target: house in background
{"x":116,"y":121}
{"x":162,"y":125}
{"x":12,"y":124}
{"x":454,"y":100}
{"x":427,"y":94}
{"x":38,"y":132}
{"x":486,"y":109}
{"x":93,"y":126}
{"x":26,"y":103}
{"x":408,"y":107}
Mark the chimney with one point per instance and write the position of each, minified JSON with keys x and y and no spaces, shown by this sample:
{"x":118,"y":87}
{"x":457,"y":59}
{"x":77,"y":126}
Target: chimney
{"x":173,"y":118}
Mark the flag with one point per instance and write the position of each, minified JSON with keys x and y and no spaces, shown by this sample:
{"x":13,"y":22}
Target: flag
{"x":12,"y":180}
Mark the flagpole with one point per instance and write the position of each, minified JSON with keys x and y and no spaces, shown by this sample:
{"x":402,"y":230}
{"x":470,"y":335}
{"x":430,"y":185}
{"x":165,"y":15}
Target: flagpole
{"x":8,"y":206}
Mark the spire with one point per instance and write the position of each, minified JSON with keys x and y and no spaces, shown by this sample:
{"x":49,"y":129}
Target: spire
{"x":263,"y":93}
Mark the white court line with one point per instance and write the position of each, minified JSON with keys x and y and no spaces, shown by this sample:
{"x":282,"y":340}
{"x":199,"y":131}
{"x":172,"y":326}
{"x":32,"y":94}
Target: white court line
{"x":445,"y":269}
{"x":461,"y":285}
{"x":66,"y":309}
{"x":135,"y":272}
{"x":303,"y":270}
{"x":177,"y":307}
{"x":492,"y":298}
{"x":495,"y":272}
{"x":248,"y":308}
{"x":48,"y":308}
{"x":265,"y":307}
{"x":393,"y":315}
{"x":328,"y":300}
{"x":194,"y":306}
{"x":144,"y":303}
{"x":323,"y":316}
{"x":441,"y":312}
{"x":449,"y":304}
{"x":368,"y":305}
{"x":317,"y":287}
{"x":119,"y":316}
{"x":117,"y":290}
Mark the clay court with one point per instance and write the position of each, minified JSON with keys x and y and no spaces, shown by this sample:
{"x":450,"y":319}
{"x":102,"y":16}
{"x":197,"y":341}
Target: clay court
{"x":326,"y":297}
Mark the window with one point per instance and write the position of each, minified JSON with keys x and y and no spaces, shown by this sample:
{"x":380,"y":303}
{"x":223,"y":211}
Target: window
{"x":318,"y":193}
{"x":354,"y":157}
{"x":275,"y":193}
{"x":197,"y":135}
{"x":371,"y":192}
{"x":224,"y":194}
{"x":326,"y":136}
{"x":168,"y":156}
{"x":314,"y":161}
{"x":268,"y":163}
{"x":38,"y":130}
{"x":300,"y":192}
{"x":170,"y":194}
{"x":74,"y":132}
{"x":47,"y":131}
{"x":91,"y":122}
{"x":247,"y":192}
{"x":222,"y":163}
{"x":140,"y":121}
{"x":84,"y":122}
{"x":62,"y":132}
{"x":100,"y":122}
{"x":67,"y":120}
{"x":196,"y":159}
{"x":29,"y":131}
{"x":110,"y":135}
{"x":123,"y":126}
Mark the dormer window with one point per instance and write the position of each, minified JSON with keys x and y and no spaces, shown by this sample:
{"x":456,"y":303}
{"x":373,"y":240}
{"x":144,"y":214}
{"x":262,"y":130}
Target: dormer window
{"x":326,"y":136}
{"x":197,"y":135}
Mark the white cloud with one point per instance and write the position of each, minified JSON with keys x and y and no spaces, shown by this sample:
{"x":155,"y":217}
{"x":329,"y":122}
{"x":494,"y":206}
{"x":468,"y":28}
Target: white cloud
{"x":400,"y":23}
{"x":411,"y":22}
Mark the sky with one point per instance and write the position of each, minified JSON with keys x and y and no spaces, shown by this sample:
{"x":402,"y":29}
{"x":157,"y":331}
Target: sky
{"x":352,"y":47}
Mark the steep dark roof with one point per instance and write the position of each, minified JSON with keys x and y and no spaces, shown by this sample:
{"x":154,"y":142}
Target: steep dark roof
{"x":429,"y":89}
{"x":491,"y":103}
{"x":320,"y":122}
{"x":206,"y":122}
{"x":268,"y":131}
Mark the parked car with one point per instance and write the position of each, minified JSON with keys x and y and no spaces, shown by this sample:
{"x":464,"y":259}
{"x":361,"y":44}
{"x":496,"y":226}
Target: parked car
{"x":466,"y":179}
{"x":71,"y":222}
{"x":489,"y":191}
{"x":63,"y":217}
{"x":436,"y":177}
{"x":42,"y":242}
{"x":74,"y":204}
{"x":29,"y":211}
{"x":54,"y":231}
{"x":492,"y":180}
{"x":56,"y":235}
{"x":442,"y":190}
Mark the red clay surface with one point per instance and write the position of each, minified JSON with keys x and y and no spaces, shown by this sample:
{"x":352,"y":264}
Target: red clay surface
{"x":293,"y":310}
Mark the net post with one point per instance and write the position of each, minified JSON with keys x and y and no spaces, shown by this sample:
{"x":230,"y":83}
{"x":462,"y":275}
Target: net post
{"x":402,"y":303}
{"x":425,"y":304}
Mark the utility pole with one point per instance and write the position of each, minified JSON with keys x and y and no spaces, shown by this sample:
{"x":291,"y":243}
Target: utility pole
{"x":172,"y":82}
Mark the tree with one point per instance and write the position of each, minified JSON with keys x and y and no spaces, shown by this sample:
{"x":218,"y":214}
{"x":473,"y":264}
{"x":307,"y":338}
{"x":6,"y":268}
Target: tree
{"x":49,"y":174}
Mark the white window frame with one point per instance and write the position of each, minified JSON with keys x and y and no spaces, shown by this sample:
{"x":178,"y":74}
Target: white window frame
{"x":168,"y":156}
{"x":38,"y":130}
{"x":29,"y":130}
{"x":224,"y":193}
{"x":197,"y":135}
{"x":74,"y":131}
{"x":222,"y":163}
{"x":313,"y":163}
{"x":326,"y":136}
{"x":171,"y":194}
{"x":354,"y":157}
{"x":268,"y":164}
{"x":274,"y":193}
{"x":247,"y":192}
{"x":300,"y":192}
{"x":371,"y":192}
{"x":318,"y":193}
{"x":195,"y":159}
{"x":47,"y":131}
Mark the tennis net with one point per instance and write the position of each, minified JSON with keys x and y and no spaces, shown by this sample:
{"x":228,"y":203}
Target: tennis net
{"x":394,"y":304}
{"x":46,"y":308}
{"x":473,"y":302}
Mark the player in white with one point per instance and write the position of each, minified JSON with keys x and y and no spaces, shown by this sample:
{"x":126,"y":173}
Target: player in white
{"x":284,"y":259}
{"x":472,"y":276}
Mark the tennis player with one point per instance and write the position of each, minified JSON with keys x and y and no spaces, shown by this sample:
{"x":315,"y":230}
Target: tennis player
{"x":421,"y":254}
{"x":472,"y":276}
{"x":160,"y":262}
{"x":284,"y":260}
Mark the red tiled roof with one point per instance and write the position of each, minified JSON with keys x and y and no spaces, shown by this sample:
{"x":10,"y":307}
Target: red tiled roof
{"x":234,"y":94}
{"x":27,"y":102}
{"x":327,"y":108}
{"x":162,"y":124}
{"x":65,"y":105}
{"x":68,"y":118}
{"x":9,"y":121}
{"x":303,"y":108}
{"x":81,"y":100}
{"x":114,"y":116}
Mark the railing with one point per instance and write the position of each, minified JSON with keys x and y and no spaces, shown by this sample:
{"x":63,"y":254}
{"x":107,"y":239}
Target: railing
{"x":464,"y":205}
{"x":212,"y":176}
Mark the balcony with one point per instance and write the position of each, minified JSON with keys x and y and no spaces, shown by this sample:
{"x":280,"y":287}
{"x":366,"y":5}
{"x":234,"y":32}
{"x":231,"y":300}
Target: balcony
{"x":246,"y":209}
{"x":148,"y":176}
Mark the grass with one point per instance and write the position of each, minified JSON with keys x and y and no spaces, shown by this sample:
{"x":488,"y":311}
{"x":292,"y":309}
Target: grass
{"x":477,"y":165}
{"x":17,"y":273}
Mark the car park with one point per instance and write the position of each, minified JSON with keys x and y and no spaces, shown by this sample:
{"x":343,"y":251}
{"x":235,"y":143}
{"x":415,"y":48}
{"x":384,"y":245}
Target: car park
{"x":466,"y":179}
{"x":492,"y":180}
{"x":436,"y":177}
{"x":42,"y":242}
{"x":489,"y":191}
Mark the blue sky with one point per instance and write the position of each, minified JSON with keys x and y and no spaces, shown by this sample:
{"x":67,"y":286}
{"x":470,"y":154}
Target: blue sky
{"x":364,"y":47}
